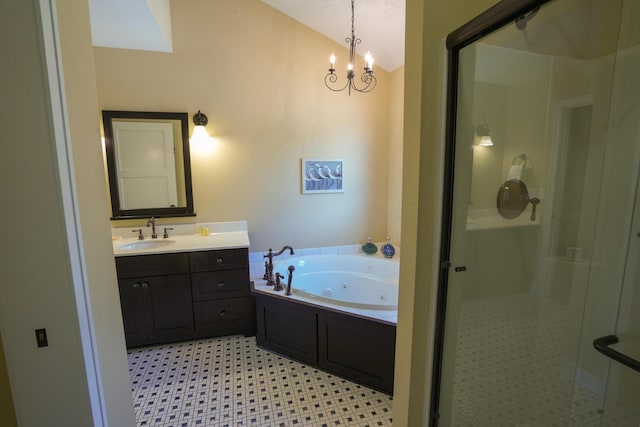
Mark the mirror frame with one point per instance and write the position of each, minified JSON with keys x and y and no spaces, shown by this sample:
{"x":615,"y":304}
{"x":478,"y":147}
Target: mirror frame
{"x":116,"y":211}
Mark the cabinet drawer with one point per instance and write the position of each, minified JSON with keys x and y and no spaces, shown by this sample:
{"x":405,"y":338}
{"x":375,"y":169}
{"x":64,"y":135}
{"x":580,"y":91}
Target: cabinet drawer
{"x":218,"y":311}
{"x":224,"y":317}
{"x":220,"y":284}
{"x":219,"y":260}
{"x":152,"y":265}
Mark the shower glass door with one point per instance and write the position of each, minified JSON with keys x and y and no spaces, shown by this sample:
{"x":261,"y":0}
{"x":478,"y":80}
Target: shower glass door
{"x":541,"y":238}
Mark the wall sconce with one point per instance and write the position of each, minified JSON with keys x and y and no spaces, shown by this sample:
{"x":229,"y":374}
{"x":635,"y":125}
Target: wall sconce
{"x":485,"y":136}
{"x":200,"y":121}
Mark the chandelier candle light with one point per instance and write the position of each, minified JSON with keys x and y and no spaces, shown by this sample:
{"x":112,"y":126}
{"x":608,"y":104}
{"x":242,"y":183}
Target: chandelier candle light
{"x":367,"y":78}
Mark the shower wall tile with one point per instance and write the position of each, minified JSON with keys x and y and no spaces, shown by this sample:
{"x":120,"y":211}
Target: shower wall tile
{"x":308,"y":251}
{"x":329,"y":250}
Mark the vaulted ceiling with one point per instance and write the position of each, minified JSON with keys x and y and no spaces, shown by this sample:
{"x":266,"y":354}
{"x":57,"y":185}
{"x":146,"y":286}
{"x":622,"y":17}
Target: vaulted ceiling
{"x":146,"y":24}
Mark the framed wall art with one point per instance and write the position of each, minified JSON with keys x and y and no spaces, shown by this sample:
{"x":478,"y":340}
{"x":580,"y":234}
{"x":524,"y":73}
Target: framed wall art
{"x":322,"y":176}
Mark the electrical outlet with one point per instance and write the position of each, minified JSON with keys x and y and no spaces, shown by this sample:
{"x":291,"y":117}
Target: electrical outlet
{"x":41,"y":338}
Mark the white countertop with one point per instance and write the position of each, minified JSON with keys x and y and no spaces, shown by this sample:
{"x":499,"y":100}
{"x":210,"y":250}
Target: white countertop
{"x":490,"y":219}
{"x":230,"y":235}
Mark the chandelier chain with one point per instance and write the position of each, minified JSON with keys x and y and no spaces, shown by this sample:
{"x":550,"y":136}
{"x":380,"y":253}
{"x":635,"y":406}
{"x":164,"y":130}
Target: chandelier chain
{"x":353,"y":14}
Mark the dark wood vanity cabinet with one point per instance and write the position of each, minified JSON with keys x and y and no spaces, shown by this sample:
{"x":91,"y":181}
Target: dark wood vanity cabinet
{"x":222,"y":303}
{"x":155,"y":296}
{"x":182,"y":296}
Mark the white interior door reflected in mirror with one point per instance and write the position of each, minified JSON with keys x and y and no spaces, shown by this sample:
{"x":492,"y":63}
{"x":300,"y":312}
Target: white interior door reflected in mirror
{"x":148,"y":164}
{"x":145,"y":163}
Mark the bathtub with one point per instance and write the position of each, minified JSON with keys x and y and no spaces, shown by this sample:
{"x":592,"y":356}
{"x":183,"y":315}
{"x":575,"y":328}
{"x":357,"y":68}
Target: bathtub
{"x":343,"y":309}
{"x":357,"y":281}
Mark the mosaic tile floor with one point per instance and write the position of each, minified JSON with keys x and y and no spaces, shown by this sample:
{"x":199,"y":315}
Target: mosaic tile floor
{"x":509,"y":369}
{"x":228,"y":381}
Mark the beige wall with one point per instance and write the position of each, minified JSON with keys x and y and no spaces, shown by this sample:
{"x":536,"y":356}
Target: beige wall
{"x":7,"y":414}
{"x":52,"y":268}
{"x":396,"y":127}
{"x":48,"y":385}
{"x":84,"y":127}
{"x":258,"y":76}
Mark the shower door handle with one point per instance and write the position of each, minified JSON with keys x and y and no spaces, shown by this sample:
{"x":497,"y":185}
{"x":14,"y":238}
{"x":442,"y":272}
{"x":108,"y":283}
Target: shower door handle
{"x":602,"y":345}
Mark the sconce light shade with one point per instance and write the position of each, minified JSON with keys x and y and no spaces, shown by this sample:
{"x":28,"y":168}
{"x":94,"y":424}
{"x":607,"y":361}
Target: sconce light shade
{"x":199,"y":133}
{"x":485,"y":136}
{"x":200,"y":121}
{"x":485,"y":141}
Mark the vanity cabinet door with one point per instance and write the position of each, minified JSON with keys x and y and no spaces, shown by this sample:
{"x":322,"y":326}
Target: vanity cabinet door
{"x":168,"y":307}
{"x":156,"y":309}
{"x":133,"y":315}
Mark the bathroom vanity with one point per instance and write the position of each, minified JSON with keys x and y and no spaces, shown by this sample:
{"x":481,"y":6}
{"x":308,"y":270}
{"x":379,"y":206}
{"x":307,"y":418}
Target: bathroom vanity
{"x":185,"y":287}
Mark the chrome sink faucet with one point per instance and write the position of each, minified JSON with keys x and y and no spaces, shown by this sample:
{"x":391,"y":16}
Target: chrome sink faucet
{"x":151,"y":222}
{"x":268,"y":265}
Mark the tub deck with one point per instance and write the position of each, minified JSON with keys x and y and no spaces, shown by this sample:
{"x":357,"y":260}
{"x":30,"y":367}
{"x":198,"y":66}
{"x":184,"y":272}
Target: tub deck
{"x":382,"y":315}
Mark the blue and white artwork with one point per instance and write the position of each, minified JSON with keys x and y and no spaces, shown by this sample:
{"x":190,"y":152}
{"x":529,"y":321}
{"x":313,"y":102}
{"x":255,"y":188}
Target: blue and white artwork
{"x":322,"y":176}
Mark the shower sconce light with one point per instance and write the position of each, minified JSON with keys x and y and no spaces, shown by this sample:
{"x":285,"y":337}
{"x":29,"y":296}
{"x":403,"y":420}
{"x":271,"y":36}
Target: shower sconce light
{"x":200,"y":121}
{"x":485,"y":136}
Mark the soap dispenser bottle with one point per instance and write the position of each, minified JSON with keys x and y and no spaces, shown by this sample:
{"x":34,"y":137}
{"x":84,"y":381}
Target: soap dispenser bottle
{"x":387,"y":249}
{"x":369,"y":248}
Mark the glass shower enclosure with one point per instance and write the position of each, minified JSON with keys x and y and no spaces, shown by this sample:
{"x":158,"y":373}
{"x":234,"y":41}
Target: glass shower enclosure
{"x":539,"y":290}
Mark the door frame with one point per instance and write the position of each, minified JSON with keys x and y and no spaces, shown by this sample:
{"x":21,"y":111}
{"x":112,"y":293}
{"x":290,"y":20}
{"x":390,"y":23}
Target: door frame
{"x":484,"y":24}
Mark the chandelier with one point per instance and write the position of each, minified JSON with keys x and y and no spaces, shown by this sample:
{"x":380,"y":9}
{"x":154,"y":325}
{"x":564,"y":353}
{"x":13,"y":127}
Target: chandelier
{"x":367,"y":79}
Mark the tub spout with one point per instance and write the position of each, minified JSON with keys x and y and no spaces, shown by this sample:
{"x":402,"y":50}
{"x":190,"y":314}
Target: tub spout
{"x":289,"y":280}
{"x":284,"y":249}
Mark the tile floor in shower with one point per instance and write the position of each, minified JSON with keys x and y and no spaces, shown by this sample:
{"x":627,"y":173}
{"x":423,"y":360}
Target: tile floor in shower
{"x":509,"y":369}
{"x":228,"y":381}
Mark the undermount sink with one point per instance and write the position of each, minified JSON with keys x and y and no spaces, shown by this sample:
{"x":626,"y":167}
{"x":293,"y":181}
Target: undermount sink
{"x":145,"y":244}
